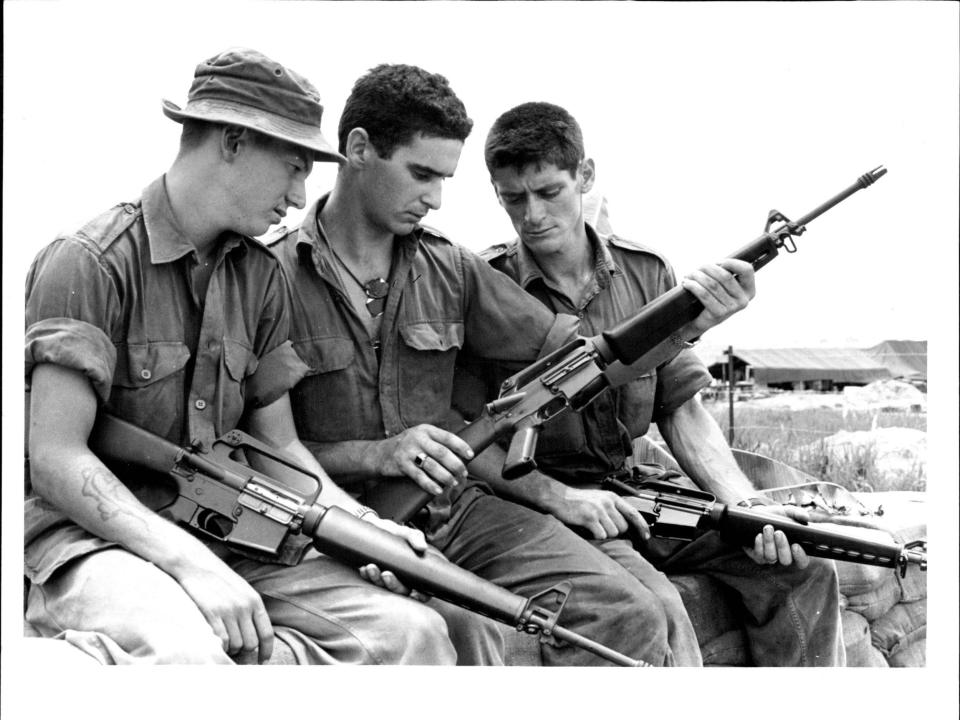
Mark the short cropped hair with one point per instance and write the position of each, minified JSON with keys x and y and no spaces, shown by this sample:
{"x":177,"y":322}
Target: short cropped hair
{"x":195,"y":131}
{"x":394,"y":103}
{"x":534,"y":133}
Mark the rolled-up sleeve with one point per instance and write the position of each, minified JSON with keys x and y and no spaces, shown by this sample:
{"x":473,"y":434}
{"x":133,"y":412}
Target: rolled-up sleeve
{"x":678,"y":381}
{"x":279,"y":370}
{"x":73,"y":344}
{"x":71,"y":309}
{"x":280,"y":367}
{"x":273,"y":328}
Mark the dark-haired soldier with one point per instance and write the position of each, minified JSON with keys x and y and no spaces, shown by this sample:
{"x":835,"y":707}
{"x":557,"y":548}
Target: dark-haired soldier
{"x":382,"y":308}
{"x":167,"y":313}
{"x":539,"y":170}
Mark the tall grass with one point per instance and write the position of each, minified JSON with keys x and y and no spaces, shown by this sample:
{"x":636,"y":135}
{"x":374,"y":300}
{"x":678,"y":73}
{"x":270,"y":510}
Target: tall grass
{"x":791,"y":436}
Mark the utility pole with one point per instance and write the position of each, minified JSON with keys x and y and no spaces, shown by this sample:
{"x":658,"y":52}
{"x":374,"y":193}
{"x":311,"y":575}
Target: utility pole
{"x":730,"y":386}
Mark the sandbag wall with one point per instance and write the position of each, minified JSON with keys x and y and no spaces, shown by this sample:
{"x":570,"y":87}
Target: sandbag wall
{"x":884,"y":615}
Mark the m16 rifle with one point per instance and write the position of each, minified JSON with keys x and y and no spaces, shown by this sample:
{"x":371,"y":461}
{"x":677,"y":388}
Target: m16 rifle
{"x":264,"y":515}
{"x":571,"y":377}
{"x":679,"y":513}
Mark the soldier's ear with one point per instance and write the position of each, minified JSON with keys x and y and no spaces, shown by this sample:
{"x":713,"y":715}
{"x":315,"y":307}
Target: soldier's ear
{"x":588,"y":173}
{"x":231,"y":139}
{"x":358,"y":147}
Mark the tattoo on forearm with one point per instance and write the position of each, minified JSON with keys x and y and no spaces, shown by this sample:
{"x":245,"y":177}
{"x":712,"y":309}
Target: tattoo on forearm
{"x":105,"y":491}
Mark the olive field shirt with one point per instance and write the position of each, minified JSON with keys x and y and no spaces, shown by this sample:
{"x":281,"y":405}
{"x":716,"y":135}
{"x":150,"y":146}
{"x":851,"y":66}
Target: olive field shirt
{"x":443,"y":301}
{"x":581,"y":448}
{"x":116,"y":301}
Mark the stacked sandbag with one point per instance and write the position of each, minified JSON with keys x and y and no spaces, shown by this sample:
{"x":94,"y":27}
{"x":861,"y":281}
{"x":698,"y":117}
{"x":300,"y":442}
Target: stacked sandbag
{"x":857,"y":641}
{"x":877,"y":603}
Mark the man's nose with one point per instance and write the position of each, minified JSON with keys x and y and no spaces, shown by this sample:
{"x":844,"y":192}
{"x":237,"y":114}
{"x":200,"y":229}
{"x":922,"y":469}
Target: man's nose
{"x":297,"y":197}
{"x":432,"y":197}
{"x":533,"y":212}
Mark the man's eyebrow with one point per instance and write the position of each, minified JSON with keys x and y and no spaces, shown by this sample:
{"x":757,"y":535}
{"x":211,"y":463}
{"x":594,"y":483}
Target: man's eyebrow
{"x":543,"y":188}
{"x":548,"y":186}
{"x":426,"y":170}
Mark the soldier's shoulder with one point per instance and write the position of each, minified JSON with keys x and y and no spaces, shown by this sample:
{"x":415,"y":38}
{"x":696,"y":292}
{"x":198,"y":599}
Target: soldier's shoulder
{"x":499,"y":252}
{"x":102,"y":231}
{"x":430,"y":233}
{"x":635,"y":248}
{"x":276,"y":234}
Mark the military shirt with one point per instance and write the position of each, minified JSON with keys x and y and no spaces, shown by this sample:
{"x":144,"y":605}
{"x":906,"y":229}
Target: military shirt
{"x":443,"y":301}
{"x":116,"y":301}
{"x":582,"y":447}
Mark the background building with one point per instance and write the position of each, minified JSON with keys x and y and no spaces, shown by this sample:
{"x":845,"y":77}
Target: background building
{"x":825,"y":368}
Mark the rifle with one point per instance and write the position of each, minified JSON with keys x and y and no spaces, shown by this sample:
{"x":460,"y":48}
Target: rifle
{"x":263,"y":515}
{"x":678,"y":513}
{"x":571,"y":377}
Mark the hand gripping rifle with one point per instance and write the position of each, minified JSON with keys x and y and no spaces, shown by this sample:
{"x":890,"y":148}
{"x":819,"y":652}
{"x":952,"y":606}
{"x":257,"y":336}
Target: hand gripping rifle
{"x":259,"y":514}
{"x":571,"y":377}
{"x":675,"y":512}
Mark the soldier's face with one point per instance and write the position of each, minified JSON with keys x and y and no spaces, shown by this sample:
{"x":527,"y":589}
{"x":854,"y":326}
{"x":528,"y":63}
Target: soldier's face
{"x":269,"y":179}
{"x":544,"y":203}
{"x":402,"y":189}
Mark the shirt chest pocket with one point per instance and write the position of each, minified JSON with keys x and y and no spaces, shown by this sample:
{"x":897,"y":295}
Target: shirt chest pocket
{"x":427,"y":354}
{"x":148,"y":384}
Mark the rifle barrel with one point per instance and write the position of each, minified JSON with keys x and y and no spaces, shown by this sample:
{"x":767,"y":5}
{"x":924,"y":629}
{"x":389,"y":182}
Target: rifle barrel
{"x":343,"y":536}
{"x":666,"y":314}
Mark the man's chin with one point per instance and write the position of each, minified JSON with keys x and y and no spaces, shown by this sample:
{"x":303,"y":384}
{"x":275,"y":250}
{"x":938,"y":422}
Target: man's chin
{"x":404,"y":227}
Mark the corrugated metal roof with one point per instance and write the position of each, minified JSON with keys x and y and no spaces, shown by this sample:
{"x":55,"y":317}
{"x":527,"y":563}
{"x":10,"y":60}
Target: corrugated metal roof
{"x":778,"y":365}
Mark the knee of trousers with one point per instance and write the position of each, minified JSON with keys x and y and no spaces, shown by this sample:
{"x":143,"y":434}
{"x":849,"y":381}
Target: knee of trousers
{"x":417,"y":635}
{"x":174,"y":647}
{"x":634,"y":611}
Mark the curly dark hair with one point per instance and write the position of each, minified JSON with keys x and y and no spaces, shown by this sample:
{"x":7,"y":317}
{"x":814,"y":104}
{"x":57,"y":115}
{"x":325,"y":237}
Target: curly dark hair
{"x":532,"y":134}
{"x":393,"y":103}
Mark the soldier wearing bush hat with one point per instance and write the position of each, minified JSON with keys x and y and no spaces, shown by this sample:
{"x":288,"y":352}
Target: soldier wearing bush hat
{"x":167,"y":313}
{"x":243,"y":87}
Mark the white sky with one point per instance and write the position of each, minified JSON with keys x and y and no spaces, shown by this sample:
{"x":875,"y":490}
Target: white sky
{"x":701,"y":118}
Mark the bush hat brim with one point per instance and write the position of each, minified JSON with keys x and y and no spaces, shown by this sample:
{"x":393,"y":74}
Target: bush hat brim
{"x":243,"y":87}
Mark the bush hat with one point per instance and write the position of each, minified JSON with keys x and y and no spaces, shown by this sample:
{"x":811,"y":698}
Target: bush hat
{"x":243,"y":87}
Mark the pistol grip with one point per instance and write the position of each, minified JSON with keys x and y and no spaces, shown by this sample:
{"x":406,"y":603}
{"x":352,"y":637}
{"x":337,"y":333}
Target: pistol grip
{"x":523,"y":447}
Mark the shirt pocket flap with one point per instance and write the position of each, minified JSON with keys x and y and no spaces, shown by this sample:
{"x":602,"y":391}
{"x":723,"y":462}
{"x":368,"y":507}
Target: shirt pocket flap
{"x":240,"y":360}
{"x":325,"y":355}
{"x":433,"y":336}
{"x":142,"y":365}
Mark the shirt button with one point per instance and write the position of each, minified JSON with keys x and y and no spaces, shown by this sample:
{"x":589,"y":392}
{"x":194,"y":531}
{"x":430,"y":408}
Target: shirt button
{"x":146,"y":374}
{"x":200,"y":404}
{"x":212,"y":345}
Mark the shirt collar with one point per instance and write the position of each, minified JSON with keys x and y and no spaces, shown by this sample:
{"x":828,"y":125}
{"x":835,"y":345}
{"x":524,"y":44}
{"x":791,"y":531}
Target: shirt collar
{"x":603,"y":258}
{"x":529,"y":271}
{"x":166,"y":239}
{"x":312,"y":240}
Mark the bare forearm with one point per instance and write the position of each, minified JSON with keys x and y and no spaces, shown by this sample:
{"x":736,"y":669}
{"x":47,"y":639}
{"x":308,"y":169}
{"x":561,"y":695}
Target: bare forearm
{"x":274,"y":425}
{"x":701,"y":450}
{"x":535,"y":488}
{"x":85,"y":490}
{"x":348,"y":460}
{"x":330,"y":492}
